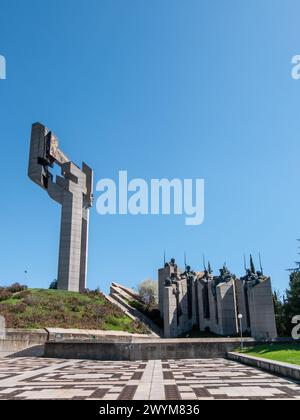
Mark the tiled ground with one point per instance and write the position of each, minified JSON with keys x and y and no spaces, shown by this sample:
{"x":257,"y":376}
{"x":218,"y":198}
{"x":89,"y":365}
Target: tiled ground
{"x":38,"y":378}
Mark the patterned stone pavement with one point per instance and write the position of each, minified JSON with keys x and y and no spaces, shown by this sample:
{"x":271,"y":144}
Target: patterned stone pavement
{"x":39,"y":378}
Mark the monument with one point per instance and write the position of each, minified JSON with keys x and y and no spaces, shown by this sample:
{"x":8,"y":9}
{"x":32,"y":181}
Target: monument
{"x":2,"y":328}
{"x":73,"y":190}
{"x":203,"y":302}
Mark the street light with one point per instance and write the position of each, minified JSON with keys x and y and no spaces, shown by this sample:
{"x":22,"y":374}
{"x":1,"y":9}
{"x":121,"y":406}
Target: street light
{"x":240,"y":317}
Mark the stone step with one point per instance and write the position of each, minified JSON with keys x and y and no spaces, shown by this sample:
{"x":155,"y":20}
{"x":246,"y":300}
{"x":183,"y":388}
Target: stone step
{"x":138,"y":315}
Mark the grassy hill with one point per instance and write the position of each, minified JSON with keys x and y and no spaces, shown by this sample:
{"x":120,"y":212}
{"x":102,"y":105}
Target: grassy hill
{"x":39,"y":308}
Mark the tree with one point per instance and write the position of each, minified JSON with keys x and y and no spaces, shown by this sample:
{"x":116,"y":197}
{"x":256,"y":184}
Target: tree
{"x":288,"y":306}
{"x":279,"y":307}
{"x":292,"y":302}
{"x":53,"y":285}
{"x":148,"y":292}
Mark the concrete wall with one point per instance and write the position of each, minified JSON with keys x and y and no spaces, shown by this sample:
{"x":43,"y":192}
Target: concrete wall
{"x":143,"y":350}
{"x":163,"y":274}
{"x":31,"y":342}
{"x":23,"y":343}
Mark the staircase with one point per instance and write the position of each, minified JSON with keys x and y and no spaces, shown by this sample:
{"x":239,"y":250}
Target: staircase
{"x":120,"y":296}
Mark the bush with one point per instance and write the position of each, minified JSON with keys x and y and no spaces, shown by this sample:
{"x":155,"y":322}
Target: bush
{"x":31,"y":300}
{"x":74,"y":304}
{"x":20,"y":307}
{"x":4,"y":294}
{"x":92,"y":293}
{"x":16,"y":288}
{"x":22,"y":294}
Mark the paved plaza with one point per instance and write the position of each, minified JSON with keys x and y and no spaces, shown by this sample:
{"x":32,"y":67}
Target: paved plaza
{"x":40,"y":378}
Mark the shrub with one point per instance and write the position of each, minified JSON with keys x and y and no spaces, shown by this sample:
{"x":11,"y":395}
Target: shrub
{"x":4,"y":294}
{"x":32,"y":300}
{"x":22,"y":294}
{"x":20,"y":307}
{"x":74,"y":304}
{"x":92,"y":293}
{"x":16,"y":287}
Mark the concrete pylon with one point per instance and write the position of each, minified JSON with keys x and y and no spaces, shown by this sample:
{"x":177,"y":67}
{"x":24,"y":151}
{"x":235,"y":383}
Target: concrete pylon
{"x":74,"y":192}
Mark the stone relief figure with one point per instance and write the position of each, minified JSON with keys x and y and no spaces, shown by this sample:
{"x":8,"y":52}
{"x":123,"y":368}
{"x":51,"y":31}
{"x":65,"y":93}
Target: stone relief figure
{"x":171,"y":280}
{"x":252,"y":279}
{"x":225,"y":274}
{"x":224,"y":277}
{"x":188,"y":272}
{"x":176,"y":292}
{"x":172,"y":263}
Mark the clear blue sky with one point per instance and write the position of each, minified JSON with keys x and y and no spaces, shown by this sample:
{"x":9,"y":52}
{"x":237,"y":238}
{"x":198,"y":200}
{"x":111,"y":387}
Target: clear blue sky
{"x":161,"y":88}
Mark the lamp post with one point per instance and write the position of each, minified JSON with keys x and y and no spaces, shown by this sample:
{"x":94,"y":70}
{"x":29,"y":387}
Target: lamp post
{"x":240,"y":317}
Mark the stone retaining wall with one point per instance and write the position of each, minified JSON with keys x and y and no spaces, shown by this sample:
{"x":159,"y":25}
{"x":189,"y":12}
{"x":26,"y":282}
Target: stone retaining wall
{"x":138,"y":349}
{"x":31,"y":342}
{"x":17,"y":341}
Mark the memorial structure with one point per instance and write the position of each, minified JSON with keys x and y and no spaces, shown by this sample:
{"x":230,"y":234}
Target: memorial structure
{"x":203,"y":302}
{"x":73,"y":190}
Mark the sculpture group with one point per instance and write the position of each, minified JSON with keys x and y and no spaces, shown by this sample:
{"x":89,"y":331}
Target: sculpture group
{"x":203,"y":302}
{"x":73,"y":190}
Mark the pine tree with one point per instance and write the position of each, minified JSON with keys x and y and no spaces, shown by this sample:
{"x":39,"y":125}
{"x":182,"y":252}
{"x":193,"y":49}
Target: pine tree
{"x":279,"y":308}
{"x":289,"y":306}
{"x":292,"y":303}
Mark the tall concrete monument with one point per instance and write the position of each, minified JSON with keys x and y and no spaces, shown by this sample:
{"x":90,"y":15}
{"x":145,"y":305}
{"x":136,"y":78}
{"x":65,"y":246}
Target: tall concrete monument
{"x":74,"y":192}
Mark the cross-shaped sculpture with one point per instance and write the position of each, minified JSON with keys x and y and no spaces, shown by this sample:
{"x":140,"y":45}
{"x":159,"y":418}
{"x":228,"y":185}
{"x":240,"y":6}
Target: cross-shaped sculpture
{"x":74,"y":192}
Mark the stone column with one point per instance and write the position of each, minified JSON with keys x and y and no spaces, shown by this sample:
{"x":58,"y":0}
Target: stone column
{"x":262,"y":315}
{"x":227,"y":308}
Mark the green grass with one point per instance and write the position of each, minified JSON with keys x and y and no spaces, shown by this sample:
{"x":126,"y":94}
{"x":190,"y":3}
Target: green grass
{"x":288,"y":353}
{"x":40,"y":308}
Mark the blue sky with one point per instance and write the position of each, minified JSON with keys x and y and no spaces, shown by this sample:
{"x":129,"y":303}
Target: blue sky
{"x":160,"y":88}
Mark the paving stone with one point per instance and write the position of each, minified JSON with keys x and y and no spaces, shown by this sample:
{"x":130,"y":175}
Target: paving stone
{"x":39,"y":378}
